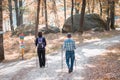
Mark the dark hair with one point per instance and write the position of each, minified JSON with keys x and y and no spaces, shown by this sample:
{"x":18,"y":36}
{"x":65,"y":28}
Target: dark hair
{"x":39,"y":34}
{"x":69,"y":35}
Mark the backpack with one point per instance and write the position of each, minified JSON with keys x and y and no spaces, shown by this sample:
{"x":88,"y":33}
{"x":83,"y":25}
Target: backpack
{"x":40,"y":43}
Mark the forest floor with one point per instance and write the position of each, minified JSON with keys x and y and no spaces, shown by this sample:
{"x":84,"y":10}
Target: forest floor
{"x":96,"y":59}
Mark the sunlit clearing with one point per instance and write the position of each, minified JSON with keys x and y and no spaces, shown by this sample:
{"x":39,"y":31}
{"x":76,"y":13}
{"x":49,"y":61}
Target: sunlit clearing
{"x":92,"y":52}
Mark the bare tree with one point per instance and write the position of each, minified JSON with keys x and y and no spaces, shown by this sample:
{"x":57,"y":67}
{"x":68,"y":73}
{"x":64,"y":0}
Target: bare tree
{"x":72,"y":1}
{"x":82,"y":15}
{"x":112,"y":14}
{"x":37,"y":18}
{"x":20,"y":12}
{"x":65,"y":10}
{"x":17,"y":12}
{"x":100,"y":7}
{"x":10,"y":15}
{"x":1,"y":35}
{"x":54,"y":7}
{"x":93,"y":6}
{"x":46,"y":22}
{"x":77,"y":4}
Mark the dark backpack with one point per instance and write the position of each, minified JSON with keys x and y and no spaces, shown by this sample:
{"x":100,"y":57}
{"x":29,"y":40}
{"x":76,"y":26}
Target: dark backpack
{"x":40,"y":43}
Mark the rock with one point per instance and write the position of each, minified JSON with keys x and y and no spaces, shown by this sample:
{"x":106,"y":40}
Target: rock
{"x":51,"y":29}
{"x":30,"y":29}
{"x":92,"y":22}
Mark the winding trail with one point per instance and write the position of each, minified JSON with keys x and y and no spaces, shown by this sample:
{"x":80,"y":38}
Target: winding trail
{"x":27,"y":69}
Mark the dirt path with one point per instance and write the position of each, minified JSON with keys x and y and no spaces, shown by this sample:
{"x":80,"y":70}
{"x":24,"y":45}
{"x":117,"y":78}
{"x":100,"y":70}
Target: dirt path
{"x":27,"y":69}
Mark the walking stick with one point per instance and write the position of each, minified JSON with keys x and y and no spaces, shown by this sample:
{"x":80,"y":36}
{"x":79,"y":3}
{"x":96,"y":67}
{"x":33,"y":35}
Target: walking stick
{"x":36,"y":55}
{"x":75,"y":63}
{"x":62,"y":58}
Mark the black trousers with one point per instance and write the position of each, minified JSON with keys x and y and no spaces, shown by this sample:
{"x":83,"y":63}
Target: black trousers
{"x":41,"y":55}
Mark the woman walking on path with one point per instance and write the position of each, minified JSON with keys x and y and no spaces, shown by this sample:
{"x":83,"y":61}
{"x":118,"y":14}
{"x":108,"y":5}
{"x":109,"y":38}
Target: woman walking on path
{"x":40,"y":42}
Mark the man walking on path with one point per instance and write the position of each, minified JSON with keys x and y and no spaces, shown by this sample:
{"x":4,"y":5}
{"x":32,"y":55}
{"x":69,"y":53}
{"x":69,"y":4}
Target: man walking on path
{"x":69,"y":47}
{"x":41,"y":44}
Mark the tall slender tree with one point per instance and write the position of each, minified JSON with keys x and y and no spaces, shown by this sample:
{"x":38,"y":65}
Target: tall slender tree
{"x":54,"y":7}
{"x":37,"y":18}
{"x":10,"y":15}
{"x":1,"y":35}
{"x":112,"y":14}
{"x":88,"y":2}
{"x":77,"y":4}
{"x":46,"y":22}
{"x":93,"y":6}
{"x":64,"y":10}
{"x":17,"y":12}
{"x":82,"y":15}
{"x":20,"y":12}
{"x":100,"y":7}
{"x":72,"y":8}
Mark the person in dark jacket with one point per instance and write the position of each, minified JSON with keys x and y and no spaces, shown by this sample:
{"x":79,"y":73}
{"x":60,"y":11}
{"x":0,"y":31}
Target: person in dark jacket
{"x":40,"y":42}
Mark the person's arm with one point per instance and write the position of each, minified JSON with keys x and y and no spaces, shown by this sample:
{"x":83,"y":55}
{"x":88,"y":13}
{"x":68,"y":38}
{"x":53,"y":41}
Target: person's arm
{"x":36,"y":41}
{"x":44,"y":40}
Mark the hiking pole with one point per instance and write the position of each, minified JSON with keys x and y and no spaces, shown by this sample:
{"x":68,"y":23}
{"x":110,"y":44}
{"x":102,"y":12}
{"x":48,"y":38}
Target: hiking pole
{"x":36,"y":55}
{"x":75,"y":63}
{"x":62,"y":58}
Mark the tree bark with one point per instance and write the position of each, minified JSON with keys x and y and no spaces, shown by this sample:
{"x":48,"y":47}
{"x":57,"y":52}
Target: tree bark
{"x":112,"y":15}
{"x":82,"y":16}
{"x":72,"y":15}
{"x":10,"y":15}
{"x":55,"y":12}
{"x":64,"y":10}
{"x":93,"y":6}
{"x":77,"y":4}
{"x":108,"y":17}
{"x":46,"y":22}
{"x":37,"y":18}
{"x":17,"y":13}
{"x":1,"y":35}
{"x":21,"y":12}
{"x":100,"y":7}
{"x":89,"y":6}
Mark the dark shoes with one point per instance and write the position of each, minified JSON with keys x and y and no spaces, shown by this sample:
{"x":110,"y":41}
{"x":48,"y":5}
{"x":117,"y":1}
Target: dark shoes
{"x":42,"y":66}
{"x":70,"y":71}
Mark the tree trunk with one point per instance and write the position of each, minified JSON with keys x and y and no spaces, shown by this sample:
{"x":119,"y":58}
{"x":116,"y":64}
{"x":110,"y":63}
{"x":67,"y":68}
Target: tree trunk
{"x":89,"y":6}
{"x":112,"y":15}
{"x":42,"y":11}
{"x":37,"y":19}
{"x":65,"y":10}
{"x":82,"y":15}
{"x":10,"y":15}
{"x":108,"y":17}
{"x":1,"y":35}
{"x":93,"y":6}
{"x":77,"y":4}
{"x":72,"y":15}
{"x":21,"y":12}
{"x":55,"y":12}
{"x":17,"y":12}
{"x":46,"y":22}
{"x":100,"y":7}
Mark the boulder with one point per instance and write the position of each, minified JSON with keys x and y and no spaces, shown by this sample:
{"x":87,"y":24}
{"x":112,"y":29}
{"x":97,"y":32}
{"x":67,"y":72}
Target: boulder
{"x":30,"y":29}
{"x":91,"y":22}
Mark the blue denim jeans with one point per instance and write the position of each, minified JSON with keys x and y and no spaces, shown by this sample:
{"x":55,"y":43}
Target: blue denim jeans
{"x":70,"y":57}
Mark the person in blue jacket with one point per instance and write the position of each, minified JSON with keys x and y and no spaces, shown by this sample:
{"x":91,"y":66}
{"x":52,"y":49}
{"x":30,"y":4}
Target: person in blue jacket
{"x":40,"y":42}
{"x":69,"y":47}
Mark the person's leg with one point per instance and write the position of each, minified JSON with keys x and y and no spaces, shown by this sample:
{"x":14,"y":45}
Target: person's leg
{"x":40,"y":59}
{"x":72,"y":56}
{"x":67,"y":59}
{"x":43,"y":58}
